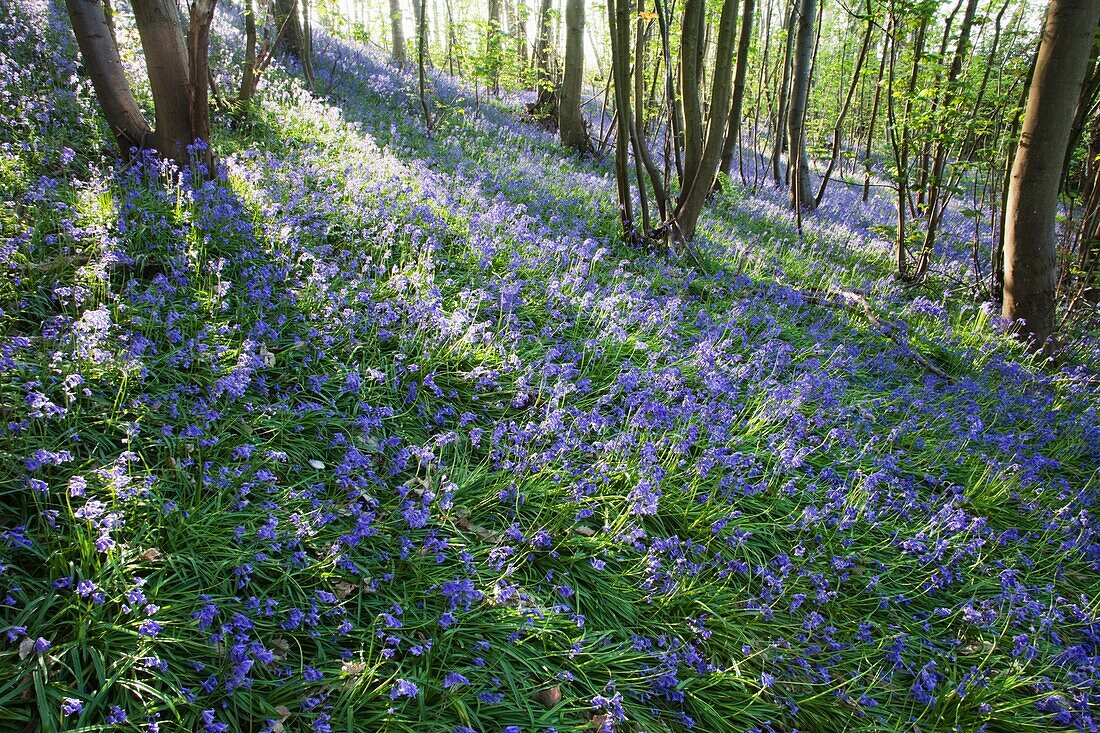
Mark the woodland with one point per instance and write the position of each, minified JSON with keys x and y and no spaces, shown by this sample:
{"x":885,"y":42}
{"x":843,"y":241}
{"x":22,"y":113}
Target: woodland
{"x":468,"y":366}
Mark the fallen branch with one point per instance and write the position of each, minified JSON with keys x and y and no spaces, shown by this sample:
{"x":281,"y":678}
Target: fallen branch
{"x":848,"y":300}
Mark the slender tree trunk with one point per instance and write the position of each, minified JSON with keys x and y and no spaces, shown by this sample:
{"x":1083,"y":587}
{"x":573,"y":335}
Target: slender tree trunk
{"x":924,"y":165}
{"x":492,"y":44}
{"x":763,"y":83}
{"x":101,"y":59}
{"x":397,"y":33}
{"x":1088,"y":248}
{"x":421,"y":61}
{"x":620,"y":71}
{"x":571,"y":124}
{"x":198,"y":55}
{"x":900,"y":132}
{"x":419,"y":15}
{"x":934,"y":207}
{"x":856,"y":75}
{"x":801,"y":194}
{"x":868,"y":150}
{"x":248,"y":74}
{"x":452,"y":40}
{"x":1030,"y":245}
{"x":642,"y":158}
{"x":691,"y":49}
{"x":733,"y":125}
{"x":779,"y":142}
{"x":543,"y":50}
{"x":675,"y":110}
{"x":521,"y":33}
{"x":289,"y":22}
{"x":307,"y":43}
{"x":545,"y":106}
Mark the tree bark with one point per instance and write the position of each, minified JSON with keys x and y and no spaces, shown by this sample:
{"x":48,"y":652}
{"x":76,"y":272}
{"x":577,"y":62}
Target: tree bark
{"x":1030,"y":251}
{"x":733,"y":125}
{"x":780,"y":125}
{"x":545,"y":106}
{"x":856,"y":75}
{"x":802,"y":197}
{"x":691,"y":44}
{"x":492,"y":44}
{"x":620,"y":72}
{"x":675,"y":109}
{"x":571,"y":124}
{"x":421,"y":60}
{"x":166,"y":58}
{"x":867,"y":151}
{"x":289,"y":28}
{"x":112,"y":89}
{"x":699,"y":180}
{"x":397,"y":34}
{"x":248,"y":73}
{"x":934,"y":185}
{"x":198,"y":55}
{"x":521,"y":33}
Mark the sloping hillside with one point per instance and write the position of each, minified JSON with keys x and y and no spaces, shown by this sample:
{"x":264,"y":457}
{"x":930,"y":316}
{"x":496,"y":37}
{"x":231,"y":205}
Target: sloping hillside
{"x":383,"y":431}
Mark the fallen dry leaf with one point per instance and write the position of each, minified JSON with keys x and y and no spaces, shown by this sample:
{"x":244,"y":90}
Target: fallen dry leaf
{"x":549,"y":697}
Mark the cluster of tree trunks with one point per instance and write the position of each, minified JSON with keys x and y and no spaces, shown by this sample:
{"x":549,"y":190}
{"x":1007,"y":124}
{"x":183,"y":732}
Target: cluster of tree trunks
{"x":178,"y":75}
{"x":699,"y":95}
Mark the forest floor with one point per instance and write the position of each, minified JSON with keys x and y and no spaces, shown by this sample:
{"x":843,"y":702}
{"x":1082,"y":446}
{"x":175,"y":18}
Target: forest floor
{"x":382,"y":430}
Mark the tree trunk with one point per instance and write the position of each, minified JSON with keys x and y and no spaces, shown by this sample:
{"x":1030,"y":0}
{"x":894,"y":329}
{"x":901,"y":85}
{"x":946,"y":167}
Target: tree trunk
{"x":112,"y":89}
{"x":521,"y":33}
{"x":733,"y":126}
{"x":1030,"y":250}
{"x":198,"y":55}
{"x":781,"y":107}
{"x":571,"y":124}
{"x":421,"y":60}
{"x":416,"y":17}
{"x":306,"y":56}
{"x":935,"y":206}
{"x":248,"y":74}
{"x":492,"y":45}
{"x":620,"y":72}
{"x":856,"y":75}
{"x":289,"y":28}
{"x":691,"y":44}
{"x":867,"y":151}
{"x":452,"y":41}
{"x":675,"y":114}
{"x":699,"y":181}
{"x":545,"y":106}
{"x":802,"y":197}
{"x":397,"y":33}
{"x":166,"y":58}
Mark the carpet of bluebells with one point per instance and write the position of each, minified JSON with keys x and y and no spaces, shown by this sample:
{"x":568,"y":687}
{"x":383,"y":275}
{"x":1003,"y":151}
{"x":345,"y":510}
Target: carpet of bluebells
{"x":378,"y":430}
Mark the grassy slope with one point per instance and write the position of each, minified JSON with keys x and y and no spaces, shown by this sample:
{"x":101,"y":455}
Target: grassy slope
{"x":378,"y":408}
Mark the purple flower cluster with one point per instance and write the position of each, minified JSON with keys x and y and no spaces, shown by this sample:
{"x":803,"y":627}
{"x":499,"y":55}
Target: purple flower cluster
{"x":362,"y":424}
